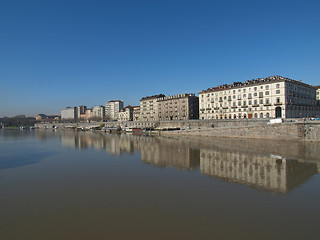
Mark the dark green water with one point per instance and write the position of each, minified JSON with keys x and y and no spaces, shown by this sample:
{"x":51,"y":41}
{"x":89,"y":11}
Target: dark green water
{"x":67,"y":185}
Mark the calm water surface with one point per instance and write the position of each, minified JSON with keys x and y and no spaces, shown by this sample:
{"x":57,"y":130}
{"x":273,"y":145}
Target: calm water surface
{"x":67,"y":185}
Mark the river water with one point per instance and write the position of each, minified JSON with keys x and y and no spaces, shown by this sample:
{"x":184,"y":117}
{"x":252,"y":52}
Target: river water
{"x":68,"y":185}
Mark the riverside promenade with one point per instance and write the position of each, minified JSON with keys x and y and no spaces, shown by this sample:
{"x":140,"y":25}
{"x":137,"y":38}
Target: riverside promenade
{"x":289,"y":129}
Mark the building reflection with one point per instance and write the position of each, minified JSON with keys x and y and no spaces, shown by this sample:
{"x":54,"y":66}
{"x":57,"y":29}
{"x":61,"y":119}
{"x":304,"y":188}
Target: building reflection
{"x":271,"y":172}
{"x":267,"y":165}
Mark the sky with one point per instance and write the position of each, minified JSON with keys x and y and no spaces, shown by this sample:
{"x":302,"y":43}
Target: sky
{"x":55,"y":54}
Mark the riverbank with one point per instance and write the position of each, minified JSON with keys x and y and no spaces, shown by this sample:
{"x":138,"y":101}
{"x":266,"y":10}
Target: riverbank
{"x":289,"y":129}
{"x":282,"y":131}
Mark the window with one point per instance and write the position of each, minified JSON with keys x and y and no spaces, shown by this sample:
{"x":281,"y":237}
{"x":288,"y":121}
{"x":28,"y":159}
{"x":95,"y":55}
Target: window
{"x":244,"y":95}
{"x":267,"y":87}
{"x":255,"y":94}
{"x":278,"y":100}
{"x":277,"y":91}
{"x":234,"y":104}
{"x":267,"y":92}
{"x":255,"y":88}
{"x":249,"y":95}
{"x":260,"y":94}
{"x":250,"y":102}
{"x":244,"y":90}
{"x":256,"y":102}
{"x":234,"y":91}
{"x":239,"y":103}
{"x":267,"y":101}
{"x":244,"y":103}
{"x":261,"y":101}
{"x":278,"y":86}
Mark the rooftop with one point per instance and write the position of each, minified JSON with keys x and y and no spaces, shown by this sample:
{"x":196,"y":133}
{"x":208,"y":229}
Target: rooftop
{"x":152,"y":97}
{"x":257,"y":81}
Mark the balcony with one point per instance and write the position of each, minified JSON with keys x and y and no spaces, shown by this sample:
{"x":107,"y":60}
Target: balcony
{"x":234,"y":107}
{"x":255,"y":105}
{"x":277,"y":104}
{"x":267,"y":104}
{"x":244,"y":106}
{"x":216,"y":108}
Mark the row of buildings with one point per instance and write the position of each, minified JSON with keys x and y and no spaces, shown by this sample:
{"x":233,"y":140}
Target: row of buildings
{"x":271,"y":97}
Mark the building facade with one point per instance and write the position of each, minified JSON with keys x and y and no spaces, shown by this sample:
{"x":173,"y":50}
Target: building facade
{"x":112,"y":109}
{"x":81,"y":111}
{"x":89,"y":113}
{"x":271,"y":97}
{"x":318,"y":92}
{"x":178,"y":107}
{"x":69,"y":113}
{"x":136,"y":113}
{"x":149,"y":108}
{"x":126,"y":114}
{"x":98,"y":111}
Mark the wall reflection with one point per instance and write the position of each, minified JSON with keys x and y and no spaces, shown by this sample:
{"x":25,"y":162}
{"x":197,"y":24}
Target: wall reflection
{"x":265,"y":165}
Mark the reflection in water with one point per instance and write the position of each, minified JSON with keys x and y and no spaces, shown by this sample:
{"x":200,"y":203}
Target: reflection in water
{"x":266,"y":165}
{"x":259,"y":171}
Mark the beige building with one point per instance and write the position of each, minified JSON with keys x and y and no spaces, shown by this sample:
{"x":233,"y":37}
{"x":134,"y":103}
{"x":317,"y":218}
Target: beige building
{"x":136,"y":113}
{"x":272,"y":173}
{"x":112,"y":108}
{"x":125,"y":114}
{"x":318,"y":92}
{"x":271,"y":97}
{"x":178,"y":107}
{"x":149,"y":108}
{"x":89,"y":113}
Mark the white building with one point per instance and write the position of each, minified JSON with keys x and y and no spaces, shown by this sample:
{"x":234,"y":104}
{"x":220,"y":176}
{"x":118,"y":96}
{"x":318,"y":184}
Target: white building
{"x":270,"y":97}
{"x":69,"y":113}
{"x":149,"y":108}
{"x":112,"y":108}
{"x":98,"y":111}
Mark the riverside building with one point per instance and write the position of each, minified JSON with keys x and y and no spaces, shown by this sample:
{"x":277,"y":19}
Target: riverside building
{"x":69,"y":113}
{"x":178,"y":107}
{"x":125,"y":114}
{"x":136,"y":113}
{"x":271,"y":97}
{"x":112,"y":109}
{"x":149,"y":108}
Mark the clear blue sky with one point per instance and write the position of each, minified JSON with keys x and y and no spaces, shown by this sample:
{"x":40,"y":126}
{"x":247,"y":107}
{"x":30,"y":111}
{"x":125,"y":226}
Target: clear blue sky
{"x":55,"y":54}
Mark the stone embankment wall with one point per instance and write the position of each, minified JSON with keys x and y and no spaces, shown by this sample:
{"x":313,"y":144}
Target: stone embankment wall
{"x":282,"y":131}
{"x":255,"y":129}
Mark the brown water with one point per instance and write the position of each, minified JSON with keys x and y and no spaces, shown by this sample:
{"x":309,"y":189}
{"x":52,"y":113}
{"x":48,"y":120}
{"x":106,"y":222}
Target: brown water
{"x":67,"y":185}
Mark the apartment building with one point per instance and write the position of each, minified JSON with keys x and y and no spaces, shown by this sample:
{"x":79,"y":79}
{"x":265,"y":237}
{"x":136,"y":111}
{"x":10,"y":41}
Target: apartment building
{"x":271,"y":97}
{"x":178,"y":107}
{"x":89,"y":113}
{"x":98,"y":111}
{"x":149,"y":107}
{"x":69,"y":113}
{"x":112,"y":108}
{"x":318,"y":92}
{"x":136,"y":113}
{"x":126,"y":114}
{"x":81,"y":111}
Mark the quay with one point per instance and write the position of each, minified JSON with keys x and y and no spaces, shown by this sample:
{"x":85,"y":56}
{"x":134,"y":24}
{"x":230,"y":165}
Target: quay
{"x":289,"y":129}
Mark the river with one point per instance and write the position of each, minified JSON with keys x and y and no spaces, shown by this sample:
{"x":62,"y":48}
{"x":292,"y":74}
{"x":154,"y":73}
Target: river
{"x":89,"y":185}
